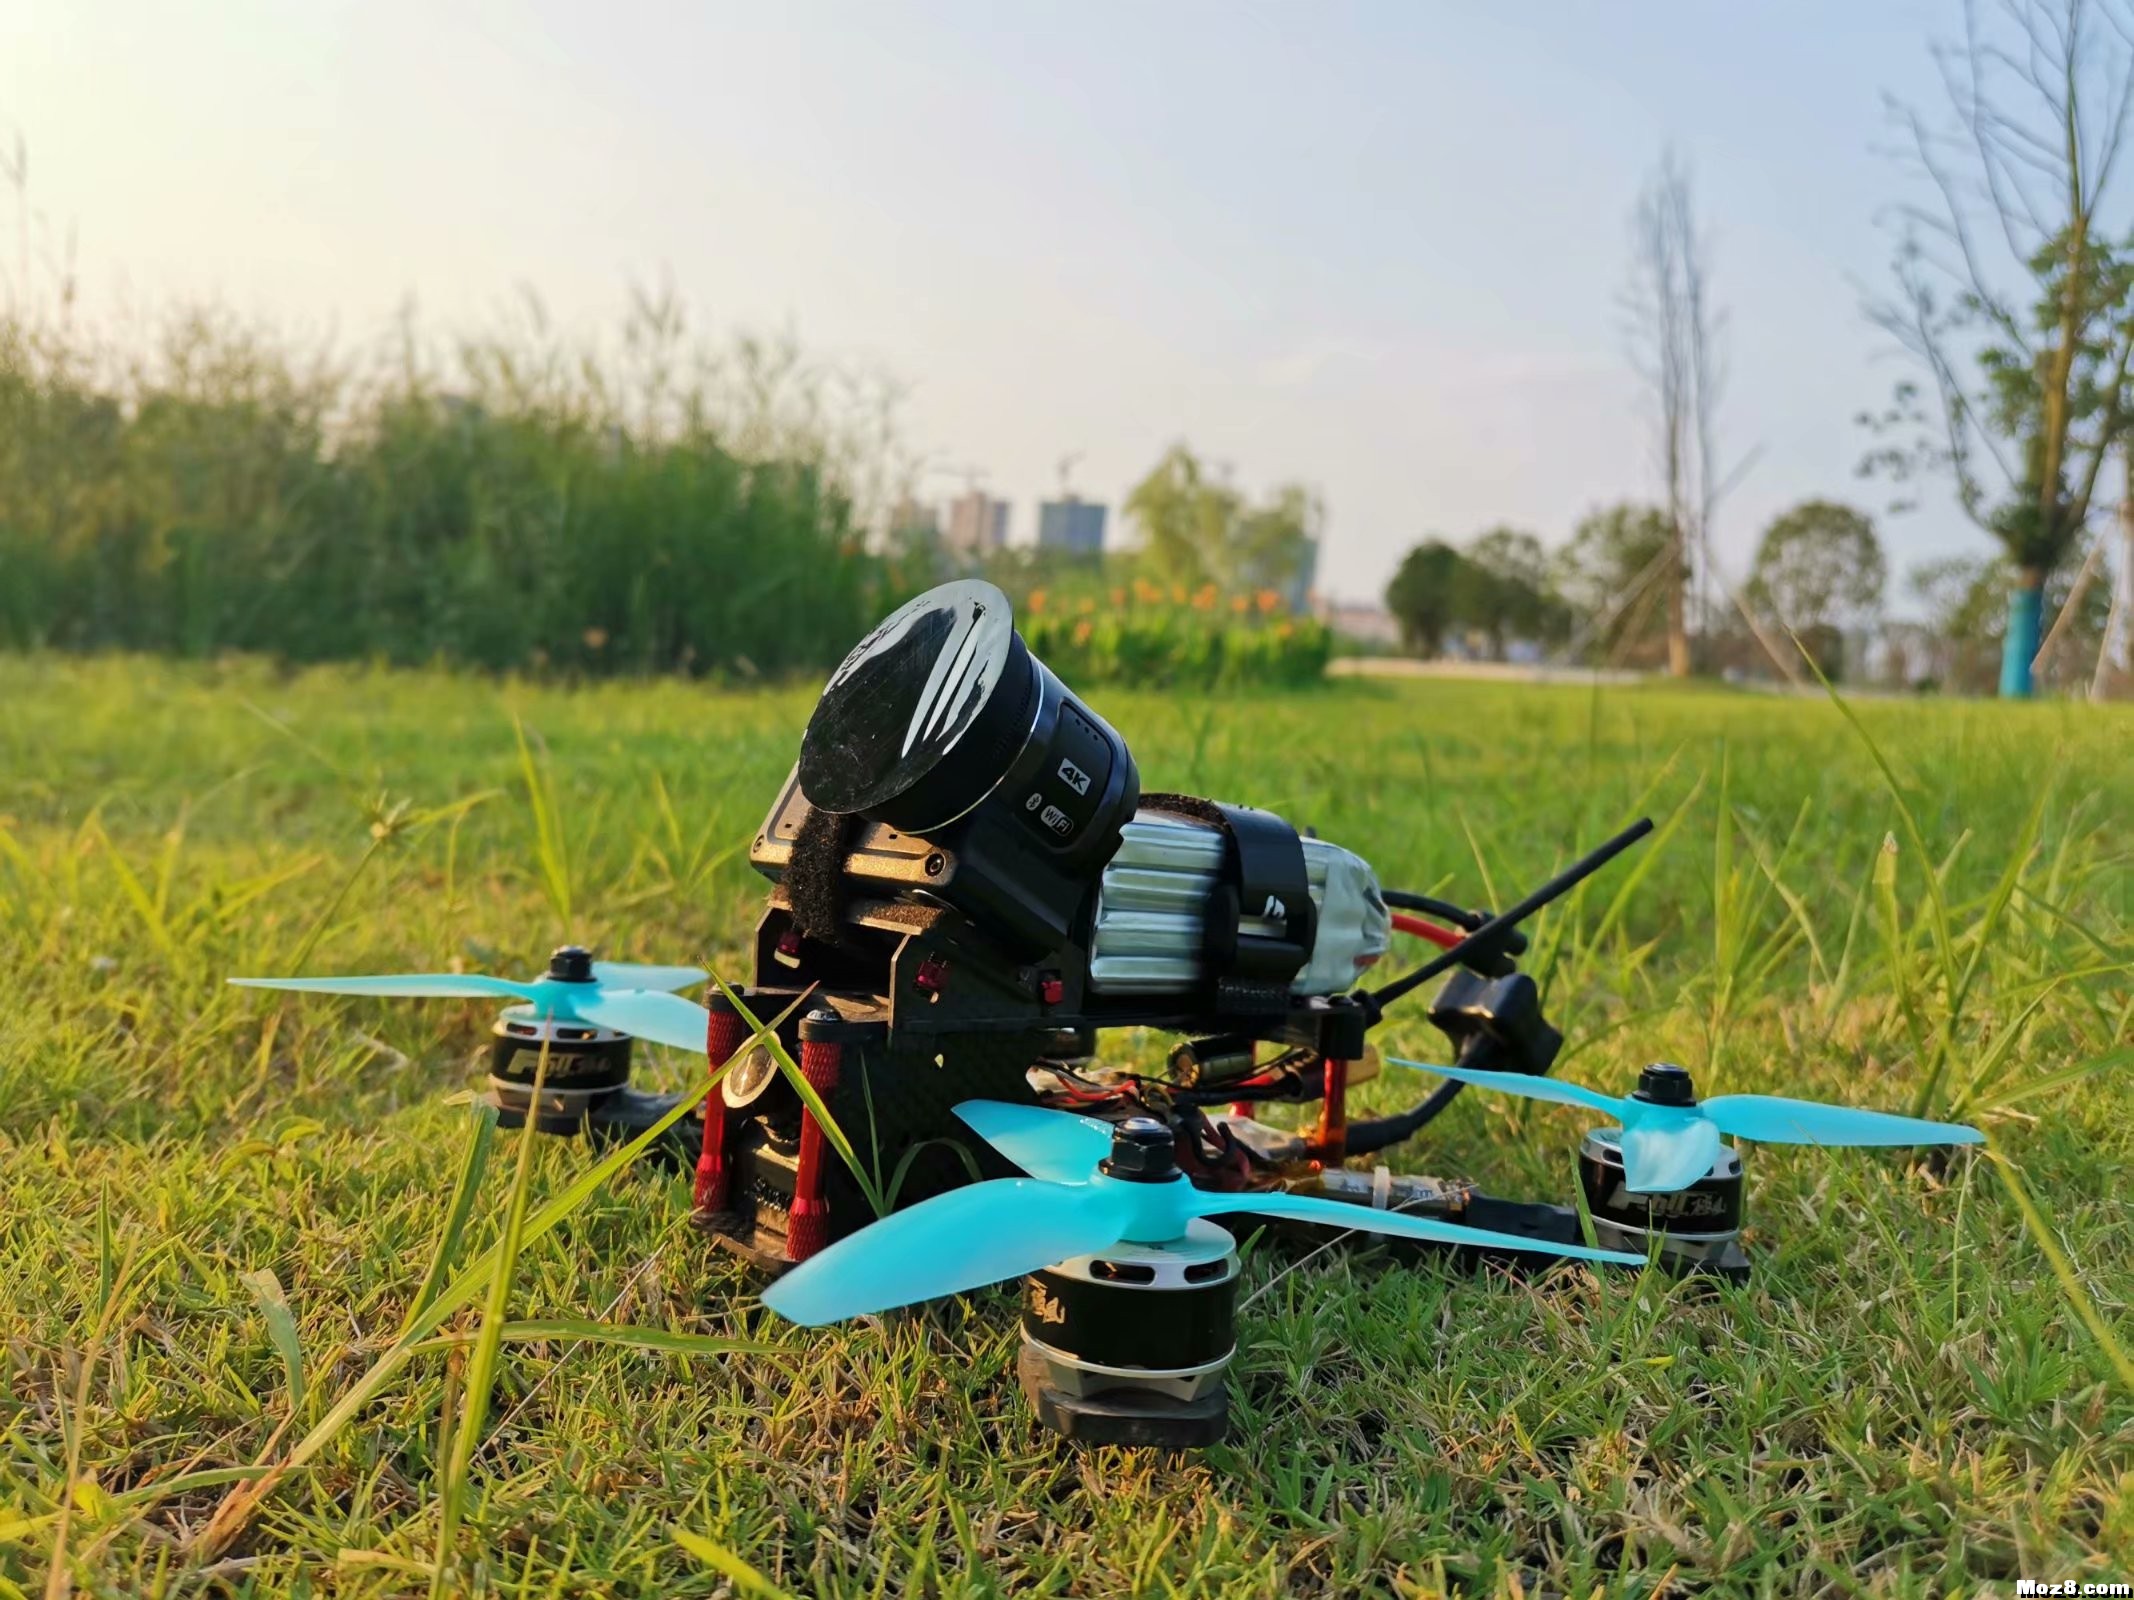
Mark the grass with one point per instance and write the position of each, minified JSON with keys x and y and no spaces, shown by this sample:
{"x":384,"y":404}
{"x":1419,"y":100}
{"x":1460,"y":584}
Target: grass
{"x":239,"y":1231}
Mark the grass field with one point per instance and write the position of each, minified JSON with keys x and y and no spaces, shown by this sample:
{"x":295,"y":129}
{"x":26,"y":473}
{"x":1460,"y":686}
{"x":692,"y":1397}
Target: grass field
{"x":1912,"y":1397}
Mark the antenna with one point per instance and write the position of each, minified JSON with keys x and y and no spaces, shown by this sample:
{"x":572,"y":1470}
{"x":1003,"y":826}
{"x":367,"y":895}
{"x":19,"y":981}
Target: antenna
{"x":1067,"y":462}
{"x":1487,"y":940}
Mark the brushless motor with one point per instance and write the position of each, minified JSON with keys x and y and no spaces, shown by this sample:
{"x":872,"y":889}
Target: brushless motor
{"x":584,"y":1067}
{"x":1697,"y":1224}
{"x":1696,"y":1227}
{"x":1130,"y":1346}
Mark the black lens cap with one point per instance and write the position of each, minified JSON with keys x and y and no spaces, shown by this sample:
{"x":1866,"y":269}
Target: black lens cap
{"x":925,"y":714}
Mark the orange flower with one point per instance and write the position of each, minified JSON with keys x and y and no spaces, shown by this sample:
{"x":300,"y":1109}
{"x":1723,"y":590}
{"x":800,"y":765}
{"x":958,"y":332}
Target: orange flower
{"x":1037,"y":599}
{"x":1239,"y":604}
{"x":1118,"y":598}
{"x":1204,"y":597}
{"x":1081,"y":633}
{"x":1268,"y":600}
{"x":1146,"y":592}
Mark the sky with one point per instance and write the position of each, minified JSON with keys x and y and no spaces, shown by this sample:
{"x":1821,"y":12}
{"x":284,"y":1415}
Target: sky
{"x":1374,"y":248}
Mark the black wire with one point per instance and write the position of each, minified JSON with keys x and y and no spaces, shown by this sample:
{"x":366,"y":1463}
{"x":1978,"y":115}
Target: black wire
{"x":1378,"y":1133}
{"x":1430,"y":905}
{"x":1287,"y":1084}
{"x":1446,"y":911}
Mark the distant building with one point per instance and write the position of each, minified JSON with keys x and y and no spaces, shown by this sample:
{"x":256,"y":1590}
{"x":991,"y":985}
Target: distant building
{"x":1071,"y":524}
{"x":977,"y":524}
{"x":912,"y":520}
{"x":1366,"y":624}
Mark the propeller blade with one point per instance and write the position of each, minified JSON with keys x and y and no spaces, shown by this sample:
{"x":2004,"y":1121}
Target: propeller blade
{"x":960,"y":1240}
{"x":411,"y":985}
{"x":1564,"y":1094}
{"x":1057,"y":1146}
{"x":1340,"y":1214}
{"x":643,"y":1014}
{"x":1774,"y":1119}
{"x":1664,"y":1154}
{"x":630,"y":975}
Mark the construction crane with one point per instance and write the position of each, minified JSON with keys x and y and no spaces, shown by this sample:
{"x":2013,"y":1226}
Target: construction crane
{"x":1067,"y":462}
{"x":972,"y":476}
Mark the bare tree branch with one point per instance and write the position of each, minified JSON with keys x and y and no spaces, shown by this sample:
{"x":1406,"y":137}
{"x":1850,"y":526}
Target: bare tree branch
{"x":2028,"y":358}
{"x":1674,"y":336}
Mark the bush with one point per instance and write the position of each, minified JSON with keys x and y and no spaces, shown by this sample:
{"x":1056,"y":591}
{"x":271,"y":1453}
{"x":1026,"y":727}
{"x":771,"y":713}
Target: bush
{"x":1167,"y":645}
{"x":515,"y":505}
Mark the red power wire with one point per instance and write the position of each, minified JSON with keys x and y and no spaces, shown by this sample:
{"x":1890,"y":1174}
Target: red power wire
{"x":1443,"y":938}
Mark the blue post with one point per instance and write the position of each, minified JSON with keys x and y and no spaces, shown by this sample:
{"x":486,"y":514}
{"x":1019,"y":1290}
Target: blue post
{"x":2026,"y":611}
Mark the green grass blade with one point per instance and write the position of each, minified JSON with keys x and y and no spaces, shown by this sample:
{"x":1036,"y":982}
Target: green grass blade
{"x":281,"y":1328}
{"x":1643,"y":864}
{"x":812,"y":1100}
{"x":137,"y":894}
{"x":471,"y":1168}
{"x":2058,"y":1080}
{"x":538,"y":1330}
{"x":913,"y":1152}
{"x":480,"y":1381}
{"x":2063,"y":1269}
{"x":1898,"y":946}
{"x":236,"y":1510}
{"x":1916,"y":839}
{"x":551,"y":849}
{"x":745,"y":1578}
{"x":2002,"y":1048}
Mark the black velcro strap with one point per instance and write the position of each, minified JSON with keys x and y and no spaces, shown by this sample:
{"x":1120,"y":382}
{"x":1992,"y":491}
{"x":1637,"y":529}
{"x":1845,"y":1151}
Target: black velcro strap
{"x":1266,"y":865}
{"x":815,"y":875}
{"x":1263,"y":877}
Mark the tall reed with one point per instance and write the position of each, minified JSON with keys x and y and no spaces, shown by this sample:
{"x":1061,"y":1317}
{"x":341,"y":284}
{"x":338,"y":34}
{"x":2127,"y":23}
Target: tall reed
{"x":512,"y":501}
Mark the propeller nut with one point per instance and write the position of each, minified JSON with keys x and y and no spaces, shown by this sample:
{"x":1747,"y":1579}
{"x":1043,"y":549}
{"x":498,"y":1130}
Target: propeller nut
{"x":571,"y":963}
{"x":1665,"y":1084}
{"x":1142,"y":1151}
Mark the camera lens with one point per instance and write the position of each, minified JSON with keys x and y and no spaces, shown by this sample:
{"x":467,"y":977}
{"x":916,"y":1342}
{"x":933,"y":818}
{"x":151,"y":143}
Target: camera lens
{"x":943,"y":706}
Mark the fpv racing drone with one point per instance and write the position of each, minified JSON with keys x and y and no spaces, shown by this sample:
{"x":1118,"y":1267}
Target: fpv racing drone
{"x":969,"y":888}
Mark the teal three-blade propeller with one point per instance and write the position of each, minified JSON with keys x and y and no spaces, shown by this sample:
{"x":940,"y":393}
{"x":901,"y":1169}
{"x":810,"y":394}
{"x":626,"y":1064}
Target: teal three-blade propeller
{"x":1671,"y":1138}
{"x":1092,"y":1186}
{"x":617,"y":995}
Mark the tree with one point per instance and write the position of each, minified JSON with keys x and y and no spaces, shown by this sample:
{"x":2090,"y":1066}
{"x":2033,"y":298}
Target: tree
{"x":1820,"y":567}
{"x":2011,"y":291}
{"x":1964,"y":598}
{"x":1181,"y":515}
{"x":1673,"y":334}
{"x":1613,"y":575}
{"x":1422,"y":595}
{"x":1274,"y":545}
{"x":1196,"y":531}
{"x":1507,"y":591}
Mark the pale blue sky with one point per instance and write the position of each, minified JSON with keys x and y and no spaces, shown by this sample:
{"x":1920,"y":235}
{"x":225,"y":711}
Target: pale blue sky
{"x":1372,"y":247}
